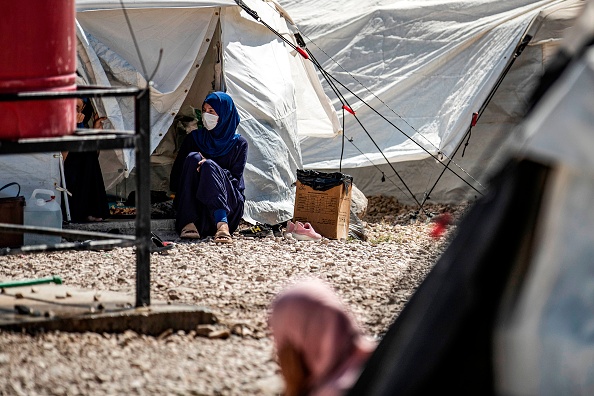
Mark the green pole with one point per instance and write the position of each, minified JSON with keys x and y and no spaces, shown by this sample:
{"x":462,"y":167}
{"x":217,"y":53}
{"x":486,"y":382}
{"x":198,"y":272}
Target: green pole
{"x":28,"y":282}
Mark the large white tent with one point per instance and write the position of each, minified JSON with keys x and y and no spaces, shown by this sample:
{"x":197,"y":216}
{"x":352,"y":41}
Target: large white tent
{"x":206,"y":45}
{"x":426,"y":66}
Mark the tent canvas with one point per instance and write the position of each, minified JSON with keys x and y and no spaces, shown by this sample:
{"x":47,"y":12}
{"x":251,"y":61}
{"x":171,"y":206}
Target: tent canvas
{"x":426,"y":66}
{"x":433,"y":63}
{"x":206,"y":45}
{"x":507,"y":309}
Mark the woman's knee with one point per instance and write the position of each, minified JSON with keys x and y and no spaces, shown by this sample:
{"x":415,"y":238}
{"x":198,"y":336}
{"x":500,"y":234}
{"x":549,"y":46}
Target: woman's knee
{"x":193,"y":158}
{"x":209,"y":166}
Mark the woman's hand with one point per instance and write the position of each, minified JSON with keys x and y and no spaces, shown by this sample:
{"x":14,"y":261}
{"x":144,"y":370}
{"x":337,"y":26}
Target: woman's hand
{"x":80,"y":117}
{"x":98,"y":122}
{"x":200,"y":164}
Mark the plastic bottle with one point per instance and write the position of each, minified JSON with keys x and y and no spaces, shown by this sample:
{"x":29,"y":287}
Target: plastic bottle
{"x":42,"y":212}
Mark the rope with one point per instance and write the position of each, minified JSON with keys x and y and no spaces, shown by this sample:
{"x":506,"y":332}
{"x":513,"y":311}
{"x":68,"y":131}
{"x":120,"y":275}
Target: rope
{"x":255,"y":15}
{"x":418,"y":144}
{"x":148,"y":78}
{"x":391,"y":166}
{"x":347,"y":107}
{"x":328,"y":77}
{"x":376,"y":167}
{"x":398,"y":115}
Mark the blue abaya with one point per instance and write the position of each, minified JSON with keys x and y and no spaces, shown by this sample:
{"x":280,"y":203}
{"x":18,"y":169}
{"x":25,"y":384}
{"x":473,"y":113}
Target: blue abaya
{"x":218,"y":185}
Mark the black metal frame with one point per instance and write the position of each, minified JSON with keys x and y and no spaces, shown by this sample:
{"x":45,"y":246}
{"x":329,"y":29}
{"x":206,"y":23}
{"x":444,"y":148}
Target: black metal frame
{"x":91,"y":140}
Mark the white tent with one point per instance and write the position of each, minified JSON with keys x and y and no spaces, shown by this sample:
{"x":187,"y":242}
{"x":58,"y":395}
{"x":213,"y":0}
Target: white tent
{"x":508,"y":308}
{"x":206,"y":45}
{"x":426,"y":66}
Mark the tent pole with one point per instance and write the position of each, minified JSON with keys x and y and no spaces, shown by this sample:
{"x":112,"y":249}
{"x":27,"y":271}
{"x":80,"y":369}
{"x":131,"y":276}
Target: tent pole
{"x":64,"y":186}
{"x":519,"y":49}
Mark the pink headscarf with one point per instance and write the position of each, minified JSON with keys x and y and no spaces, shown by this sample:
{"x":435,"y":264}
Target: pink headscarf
{"x":310,"y":317}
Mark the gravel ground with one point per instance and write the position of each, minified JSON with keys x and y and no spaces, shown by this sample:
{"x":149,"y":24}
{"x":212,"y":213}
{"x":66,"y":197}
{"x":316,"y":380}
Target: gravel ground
{"x":375,"y":278}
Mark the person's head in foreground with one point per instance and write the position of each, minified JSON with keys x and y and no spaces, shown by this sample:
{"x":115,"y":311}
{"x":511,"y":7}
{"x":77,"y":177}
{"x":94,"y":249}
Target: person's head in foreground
{"x":320,"y":348}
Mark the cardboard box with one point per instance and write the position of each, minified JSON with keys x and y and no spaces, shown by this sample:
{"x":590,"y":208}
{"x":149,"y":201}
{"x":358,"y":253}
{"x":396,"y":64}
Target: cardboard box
{"x":327,"y":211}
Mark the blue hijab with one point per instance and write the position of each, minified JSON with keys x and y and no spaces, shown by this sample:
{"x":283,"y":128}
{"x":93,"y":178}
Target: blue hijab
{"x":223,"y":136}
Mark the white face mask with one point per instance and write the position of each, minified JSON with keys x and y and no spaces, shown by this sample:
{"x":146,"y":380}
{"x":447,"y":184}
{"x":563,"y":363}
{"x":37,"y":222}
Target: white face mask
{"x":209,"y":120}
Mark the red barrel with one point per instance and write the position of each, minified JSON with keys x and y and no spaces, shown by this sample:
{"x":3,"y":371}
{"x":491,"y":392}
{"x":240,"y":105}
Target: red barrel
{"x":38,"y":53}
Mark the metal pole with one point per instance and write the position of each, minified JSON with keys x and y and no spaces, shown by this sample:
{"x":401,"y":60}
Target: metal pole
{"x":65,"y":187}
{"x":143,"y":215}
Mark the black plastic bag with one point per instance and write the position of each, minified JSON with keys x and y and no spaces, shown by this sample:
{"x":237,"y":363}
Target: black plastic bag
{"x":322,"y":181}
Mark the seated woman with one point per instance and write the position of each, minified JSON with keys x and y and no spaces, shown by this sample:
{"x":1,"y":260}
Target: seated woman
{"x":207,"y":175}
{"x":82,"y":172}
{"x":320,"y":349}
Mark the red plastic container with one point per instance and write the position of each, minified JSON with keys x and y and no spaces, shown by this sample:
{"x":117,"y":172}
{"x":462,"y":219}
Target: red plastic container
{"x":37,"y":53}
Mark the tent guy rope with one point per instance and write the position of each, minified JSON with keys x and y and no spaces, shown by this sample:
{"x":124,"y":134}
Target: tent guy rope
{"x":328,"y":77}
{"x":148,"y":78}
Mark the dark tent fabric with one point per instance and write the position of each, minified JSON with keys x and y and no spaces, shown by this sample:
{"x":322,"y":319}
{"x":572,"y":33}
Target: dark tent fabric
{"x":442,"y":339}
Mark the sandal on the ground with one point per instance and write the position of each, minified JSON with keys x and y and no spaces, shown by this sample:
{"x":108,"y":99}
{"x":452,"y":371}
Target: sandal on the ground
{"x":160,"y":245}
{"x":189,"y":232}
{"x":223,"y":236}
{"x":259,"y":230}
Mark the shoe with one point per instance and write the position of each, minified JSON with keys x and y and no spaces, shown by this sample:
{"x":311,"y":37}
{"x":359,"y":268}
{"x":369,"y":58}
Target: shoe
{"x":290,"y":227}
{"x":189,"y":232}
{"x":305,"y":232}
{"x":277,"y":230}
{"x":223,"y":236}
{"x":160,"y":245}
{"x":258,"y":231}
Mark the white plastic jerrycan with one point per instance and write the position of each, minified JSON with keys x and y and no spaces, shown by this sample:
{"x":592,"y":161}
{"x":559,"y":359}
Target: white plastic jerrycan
{"x":42,"y":210}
